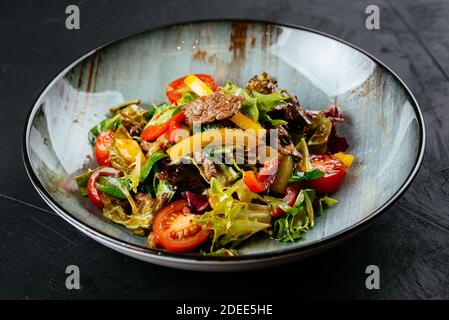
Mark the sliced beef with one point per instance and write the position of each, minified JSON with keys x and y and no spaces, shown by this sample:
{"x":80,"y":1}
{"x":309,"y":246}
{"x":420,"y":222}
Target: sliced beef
{"x":213,"y":107}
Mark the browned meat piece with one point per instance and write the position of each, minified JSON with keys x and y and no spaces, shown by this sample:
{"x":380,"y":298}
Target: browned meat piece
{"x":216,"y":106}
{"x":209,"y":169}
{"x":262,"y":83}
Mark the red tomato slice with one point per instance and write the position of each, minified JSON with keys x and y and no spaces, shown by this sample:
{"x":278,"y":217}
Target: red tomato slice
{"x":93,"y":193}
{"x":254,"y":184}
{"x":262,"y":180}
{"x":174,"y":229}
{"x":104,"y":141}
{"x":291,"y":193}
{"x":269,"y":169}
{"x":177,"y":88}
{"x":334,"y":173}
{"x":153,"y":132}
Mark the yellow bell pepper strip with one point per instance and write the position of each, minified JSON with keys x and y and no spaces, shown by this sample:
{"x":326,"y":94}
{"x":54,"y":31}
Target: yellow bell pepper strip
{"x":129,"y":149}
{"x":242,"y":121}
{"x":223,"y":136}
{"x":197,"y":86}
{"x":346,"y":158}
{"x":247,"y":123}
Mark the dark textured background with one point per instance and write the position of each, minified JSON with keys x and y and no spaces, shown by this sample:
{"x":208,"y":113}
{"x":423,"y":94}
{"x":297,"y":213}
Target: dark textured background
{"x":409,"y":242}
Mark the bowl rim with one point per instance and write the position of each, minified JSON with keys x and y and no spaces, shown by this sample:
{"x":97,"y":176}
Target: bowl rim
{"x":136,"y":250}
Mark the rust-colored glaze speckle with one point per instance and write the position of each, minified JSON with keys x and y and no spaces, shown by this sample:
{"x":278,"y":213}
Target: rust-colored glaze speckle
{"x":91,"y":71}
{"x":200,"y":56}
{"x":238,"y":40}
{"x":253,"y":40}
{"x":80,"y":76}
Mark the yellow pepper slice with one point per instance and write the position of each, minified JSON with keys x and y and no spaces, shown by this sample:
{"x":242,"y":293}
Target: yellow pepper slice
{"x":346,"y":158}
{"x":247,"y":123}
{"x":197,"y":86}
{"x":129,"y":149}
{"x":223,"y":136}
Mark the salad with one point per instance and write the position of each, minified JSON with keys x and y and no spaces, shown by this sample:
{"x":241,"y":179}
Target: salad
{"x":215,"y":165}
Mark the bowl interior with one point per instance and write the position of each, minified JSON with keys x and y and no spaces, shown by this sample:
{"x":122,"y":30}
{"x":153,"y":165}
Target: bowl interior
{"x":382,"y":125}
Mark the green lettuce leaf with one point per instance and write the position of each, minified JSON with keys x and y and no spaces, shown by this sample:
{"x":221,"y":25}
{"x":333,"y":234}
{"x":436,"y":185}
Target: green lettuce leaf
{"x":122,"y":105}
{"x":164,"y":113}
{"x":151,"y":161}
{"x":325,"y":202}
{"x":256,"y":105}
{"x":305,"y":164}
{"x":81,"y":181}
{"x":222,"y":252}
{"x":139,"y":221}
{"x":298,"y":218}
{"x":110,"y":185}
{"x":266,"y":102}
{"x":164,"y":190}
{"x":107,"y":124}
{"x":134,"y":115}
{"x":249,"y":104}
{"x":304,"y":176}
{"x":187,"y":97}
{"x":233,"y":220}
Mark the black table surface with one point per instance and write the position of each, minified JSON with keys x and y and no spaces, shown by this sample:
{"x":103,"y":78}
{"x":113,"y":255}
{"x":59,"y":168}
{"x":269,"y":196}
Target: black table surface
{"x":409,"y":242}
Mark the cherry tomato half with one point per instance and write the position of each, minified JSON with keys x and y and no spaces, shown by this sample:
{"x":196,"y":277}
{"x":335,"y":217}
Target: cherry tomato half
{"x":174,"y":229}
{"x":291,"y":193}
{"x":334,"y":173}
{"x":256,"y":185}
{"x":177,"y":88}
{"x":269,"y":169}
{"x":262,"y":180}
{"x":93,"y":193}
{"x":104,"y":141}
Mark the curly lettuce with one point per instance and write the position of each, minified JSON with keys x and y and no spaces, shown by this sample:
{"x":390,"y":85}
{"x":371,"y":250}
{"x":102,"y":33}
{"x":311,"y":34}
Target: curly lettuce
{"x":298,"y":218}
{"x":233,"y":220}
{"x":257,"y":105}
{"x":139,"y":221}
